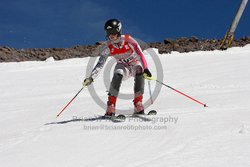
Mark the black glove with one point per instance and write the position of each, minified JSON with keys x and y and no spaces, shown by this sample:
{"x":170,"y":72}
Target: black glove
{"x":87,"y":81}
{"x":147,"y":73}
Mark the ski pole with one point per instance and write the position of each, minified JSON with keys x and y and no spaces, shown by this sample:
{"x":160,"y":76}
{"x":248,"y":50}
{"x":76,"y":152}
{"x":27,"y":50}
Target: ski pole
{"x":150,"y":92}
{"x":69,"y":102}
{"x":151,"y":78}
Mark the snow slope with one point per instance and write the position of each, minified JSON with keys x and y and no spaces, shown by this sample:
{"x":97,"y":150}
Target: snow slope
{"x":32,"y":93}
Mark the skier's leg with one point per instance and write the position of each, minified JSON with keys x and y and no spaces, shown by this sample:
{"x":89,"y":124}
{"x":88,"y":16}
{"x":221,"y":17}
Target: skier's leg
{"x":139,"y":84}
{"x":119,"y":72}
{"x":114,"y":89}
{"x":111,"y":105}
{"x":138,"y":89}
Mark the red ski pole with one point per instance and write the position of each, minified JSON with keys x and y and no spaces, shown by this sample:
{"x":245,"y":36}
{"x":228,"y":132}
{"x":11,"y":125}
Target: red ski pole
{"x":182,"y":93}
{"x":151,"y":78}
{"x":69,"y":102}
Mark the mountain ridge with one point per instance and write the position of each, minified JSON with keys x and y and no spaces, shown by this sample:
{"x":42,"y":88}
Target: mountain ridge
{"x":183,"y":44}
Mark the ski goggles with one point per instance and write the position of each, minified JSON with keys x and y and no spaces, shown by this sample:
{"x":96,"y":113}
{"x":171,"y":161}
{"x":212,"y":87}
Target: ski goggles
{"x":112,"y":31}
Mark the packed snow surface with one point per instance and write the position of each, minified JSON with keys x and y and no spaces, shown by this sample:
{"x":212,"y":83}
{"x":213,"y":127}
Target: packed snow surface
{"x":183,"y":133}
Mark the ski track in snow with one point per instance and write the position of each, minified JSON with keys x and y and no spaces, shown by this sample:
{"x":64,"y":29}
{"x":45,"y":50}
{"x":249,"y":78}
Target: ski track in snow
{"x":32,"y":93}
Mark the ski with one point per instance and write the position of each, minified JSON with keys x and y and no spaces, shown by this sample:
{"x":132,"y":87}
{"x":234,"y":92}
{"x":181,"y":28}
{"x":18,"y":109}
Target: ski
{"x":142,"y":116}
{"x":119,"y":118}
{"x":122,"y":117}
{"x":152,"y":112}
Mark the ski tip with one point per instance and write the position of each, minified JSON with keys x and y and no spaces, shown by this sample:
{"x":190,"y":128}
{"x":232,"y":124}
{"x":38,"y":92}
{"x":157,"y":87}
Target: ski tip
{"x":205,"y":105}
{"x":122,"y":117}
{"x":152,"y":112}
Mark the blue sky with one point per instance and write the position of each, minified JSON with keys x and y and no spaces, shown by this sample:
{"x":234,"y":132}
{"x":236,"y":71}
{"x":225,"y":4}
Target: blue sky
{"x":66,"y":23}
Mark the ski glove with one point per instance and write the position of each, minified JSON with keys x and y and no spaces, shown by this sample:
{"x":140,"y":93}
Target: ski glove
{"x":87,"y":81}
{"x":147,"y":73}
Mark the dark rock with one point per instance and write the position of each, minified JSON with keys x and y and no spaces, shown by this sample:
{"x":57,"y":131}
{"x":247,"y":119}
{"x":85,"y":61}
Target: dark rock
{"x":194,"y":39}
{"x":245,"y":38}
{"x":8,"y":54}
{"x":100,"y":42}
{"x":169,"y":41}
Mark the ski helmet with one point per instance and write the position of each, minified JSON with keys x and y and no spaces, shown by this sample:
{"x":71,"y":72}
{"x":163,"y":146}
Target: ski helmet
{"x":113,"y":26}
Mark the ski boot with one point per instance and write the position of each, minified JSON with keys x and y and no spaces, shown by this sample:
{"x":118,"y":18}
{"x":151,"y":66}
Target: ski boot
{"x":138,"y":107}
{"x":110,"y":106}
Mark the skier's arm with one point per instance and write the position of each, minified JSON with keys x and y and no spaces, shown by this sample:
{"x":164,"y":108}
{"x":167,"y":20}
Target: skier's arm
{"x":102,"y":59}
{"x":138,"y":50}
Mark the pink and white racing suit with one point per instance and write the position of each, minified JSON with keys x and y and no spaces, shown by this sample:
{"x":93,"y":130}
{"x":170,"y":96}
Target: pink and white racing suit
{"x":130,"y":62}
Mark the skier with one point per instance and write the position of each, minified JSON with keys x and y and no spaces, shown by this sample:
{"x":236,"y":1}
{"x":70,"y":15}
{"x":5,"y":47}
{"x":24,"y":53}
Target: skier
{"x":130,"y":62}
